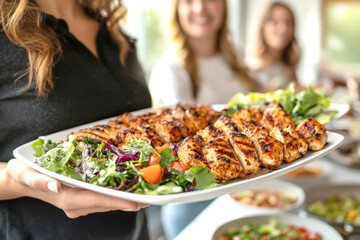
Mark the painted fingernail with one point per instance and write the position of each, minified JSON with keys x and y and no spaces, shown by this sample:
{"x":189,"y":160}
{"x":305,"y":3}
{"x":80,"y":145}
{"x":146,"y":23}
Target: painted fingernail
{"x":52,"y":187}
{"x":143,"y":205}
{"x":131,"y":210}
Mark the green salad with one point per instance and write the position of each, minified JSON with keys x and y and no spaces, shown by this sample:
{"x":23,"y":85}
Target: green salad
{"x":338,"y":209}
{"x":129,"y":169}
{"x":309,"y":103}
{"x":270,"y":231}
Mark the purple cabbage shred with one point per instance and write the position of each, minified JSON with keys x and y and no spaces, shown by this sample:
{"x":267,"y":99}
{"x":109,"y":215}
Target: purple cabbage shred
{"x":121,"y":155}
{"x":126,"y":157}
{"x":192,"y":188}
{"x":174,"y":148}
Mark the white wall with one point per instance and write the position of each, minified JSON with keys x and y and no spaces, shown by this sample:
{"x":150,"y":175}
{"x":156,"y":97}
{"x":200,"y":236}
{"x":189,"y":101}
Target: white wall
{"x":236,"y":20}
{"x":308,"y":32}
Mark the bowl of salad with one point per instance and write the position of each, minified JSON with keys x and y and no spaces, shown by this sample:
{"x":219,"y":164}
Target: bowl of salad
{"x":338,"y":205}
{"x":276,"y":226}
{"x":270,"y":197}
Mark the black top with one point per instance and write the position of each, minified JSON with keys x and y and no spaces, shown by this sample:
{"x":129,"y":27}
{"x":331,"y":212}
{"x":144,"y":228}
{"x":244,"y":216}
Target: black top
{"x":86,"y":89}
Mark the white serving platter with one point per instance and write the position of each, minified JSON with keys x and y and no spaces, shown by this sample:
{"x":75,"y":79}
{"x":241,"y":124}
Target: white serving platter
{"x":25,"y":154}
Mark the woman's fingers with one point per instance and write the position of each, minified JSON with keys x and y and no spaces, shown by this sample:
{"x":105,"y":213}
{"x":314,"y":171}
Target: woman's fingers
{"x":84,"y":202}
{"x":31,"y":178}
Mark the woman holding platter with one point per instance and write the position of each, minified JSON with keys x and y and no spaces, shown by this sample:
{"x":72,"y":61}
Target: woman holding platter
{"x":63,"y":64}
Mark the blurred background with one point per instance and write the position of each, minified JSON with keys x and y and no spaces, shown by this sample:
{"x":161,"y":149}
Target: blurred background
{"x":328,"y":34}
{"x":326,"y":31}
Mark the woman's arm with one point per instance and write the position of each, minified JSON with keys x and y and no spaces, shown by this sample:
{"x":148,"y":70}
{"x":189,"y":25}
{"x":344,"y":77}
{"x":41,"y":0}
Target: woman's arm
{"x":18,"y":180}
{"x":170,"y":84}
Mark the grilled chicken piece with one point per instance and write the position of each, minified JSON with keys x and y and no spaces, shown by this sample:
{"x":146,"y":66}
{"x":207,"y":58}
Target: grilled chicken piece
{"x":80,"y":136}
{"x":313,"y":132}
{"x":294,"y":146}
{"x":269,"y":150}
{"x":102,"y":133}
{"x":248,"y":115}
{"x":244,"y":149}
{"x":210,"y":114}
{"x":222,"y":160}
{"x":226,"y":124}
{"x":275,"y":116}
{"x":250,"y":128}
{"x":190,"y":154}
{"x":112,"y":132}
{"x":167,"y":130}
{"x":114,"y":124}
{"x":245,"y":152}
{"x":142,"y":136}
{"x":181,"y":116}
{"x":126,"y":117}
{"x":130,"y":130}
{"x":209,"y":134}
{"x":150,"y":116}
{"x":197,"y":118}
{"x":180,"y":123}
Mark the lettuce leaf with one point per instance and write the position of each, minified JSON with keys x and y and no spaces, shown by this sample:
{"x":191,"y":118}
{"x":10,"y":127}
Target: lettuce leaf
{"x":308,"y":103}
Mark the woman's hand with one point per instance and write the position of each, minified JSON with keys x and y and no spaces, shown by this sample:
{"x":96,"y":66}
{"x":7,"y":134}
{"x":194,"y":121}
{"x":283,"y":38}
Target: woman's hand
{"x":75,"y":202}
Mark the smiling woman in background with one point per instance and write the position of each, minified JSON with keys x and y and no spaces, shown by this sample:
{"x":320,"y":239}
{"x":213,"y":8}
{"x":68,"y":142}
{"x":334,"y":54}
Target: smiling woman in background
{"x":202,"y":64}
{"x":274,"y":56}
{"x":62,"y":65}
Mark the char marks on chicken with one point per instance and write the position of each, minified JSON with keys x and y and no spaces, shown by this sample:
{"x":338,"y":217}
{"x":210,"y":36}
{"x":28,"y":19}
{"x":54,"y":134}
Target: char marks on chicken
{"x":190,"y":153}
{"x":275,"y":116}
{"x":222,"y":160}
{"x":313,"y":132}
{"x":294,"y":146}
{"x":230,"y":146}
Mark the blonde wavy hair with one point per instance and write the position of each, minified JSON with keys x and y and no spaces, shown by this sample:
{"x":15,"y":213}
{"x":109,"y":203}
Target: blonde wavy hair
{"x":224,"y":46}
{"x":23,"y":23}
{"x":291,"y":55}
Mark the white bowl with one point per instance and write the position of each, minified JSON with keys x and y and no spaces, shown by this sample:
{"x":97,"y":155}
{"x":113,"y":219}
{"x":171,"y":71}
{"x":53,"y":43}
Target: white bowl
{"x":272,"y":186}
{"x":325,"y":230}
{"x":309,"y":181}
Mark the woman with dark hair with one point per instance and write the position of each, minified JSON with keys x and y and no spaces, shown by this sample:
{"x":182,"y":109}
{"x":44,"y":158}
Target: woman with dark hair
{"x":63,"y":64}
{"x":275,"y":53}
